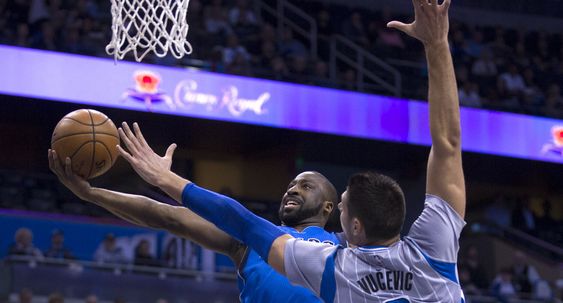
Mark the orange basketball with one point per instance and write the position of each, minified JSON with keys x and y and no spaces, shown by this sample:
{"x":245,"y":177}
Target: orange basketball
{"x":89,"y":138}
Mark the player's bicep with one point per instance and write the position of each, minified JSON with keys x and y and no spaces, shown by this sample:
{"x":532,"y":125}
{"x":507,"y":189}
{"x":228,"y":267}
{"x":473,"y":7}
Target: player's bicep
{"x":277,"y":253}
{"x":306,"y":263}
{"x":445,"y":178}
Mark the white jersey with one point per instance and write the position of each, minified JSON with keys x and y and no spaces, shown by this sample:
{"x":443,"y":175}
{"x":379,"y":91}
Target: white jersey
{"x":419,"y":268}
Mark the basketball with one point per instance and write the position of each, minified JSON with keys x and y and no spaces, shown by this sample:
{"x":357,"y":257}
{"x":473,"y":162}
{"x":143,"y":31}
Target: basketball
{"x":89,"y":138}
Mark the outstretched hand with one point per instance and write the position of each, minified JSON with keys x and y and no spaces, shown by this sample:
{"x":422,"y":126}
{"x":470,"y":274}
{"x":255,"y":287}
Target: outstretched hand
{"x":142,"y":158}
{"x":431,"y":22}
{"x":68,"y":178}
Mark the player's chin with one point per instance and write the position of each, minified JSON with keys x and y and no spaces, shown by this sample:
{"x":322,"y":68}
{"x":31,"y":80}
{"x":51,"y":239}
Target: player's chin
{"x":286,"y":214}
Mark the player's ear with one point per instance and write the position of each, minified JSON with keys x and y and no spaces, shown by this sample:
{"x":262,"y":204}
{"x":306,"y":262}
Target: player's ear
{"x":328,"y":207}
{"x":357,"y":227}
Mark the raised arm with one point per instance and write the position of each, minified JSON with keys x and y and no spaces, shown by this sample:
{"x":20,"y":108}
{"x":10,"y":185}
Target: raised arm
{"x":146,"y":212}
{"x":227,"y":214}
{"x":445,"y":173}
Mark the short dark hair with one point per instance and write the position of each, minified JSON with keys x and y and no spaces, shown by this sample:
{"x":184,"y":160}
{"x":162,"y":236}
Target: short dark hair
{"x":378,"y":202}
{"x":330,"y":193}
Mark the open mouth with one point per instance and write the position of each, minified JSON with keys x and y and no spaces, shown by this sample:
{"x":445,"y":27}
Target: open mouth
{"x":291,"y":204}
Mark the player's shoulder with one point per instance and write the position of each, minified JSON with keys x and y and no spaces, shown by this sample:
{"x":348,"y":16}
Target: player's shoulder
{"x":441,"y":205}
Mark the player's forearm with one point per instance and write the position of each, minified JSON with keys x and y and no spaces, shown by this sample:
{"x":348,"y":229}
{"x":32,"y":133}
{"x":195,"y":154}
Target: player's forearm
{"x":443,"y":99}
{"x":180,"y":221}
{"x":233,"y":218}
{"x":135,"y":209}
{"x":173,"y":185}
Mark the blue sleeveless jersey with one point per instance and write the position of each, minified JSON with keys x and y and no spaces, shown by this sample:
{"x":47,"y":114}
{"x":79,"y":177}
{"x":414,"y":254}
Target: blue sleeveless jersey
{"x":260,"y":283}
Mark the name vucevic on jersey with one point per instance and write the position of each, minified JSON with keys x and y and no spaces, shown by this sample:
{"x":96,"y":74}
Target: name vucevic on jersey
{"x":386,"y":280}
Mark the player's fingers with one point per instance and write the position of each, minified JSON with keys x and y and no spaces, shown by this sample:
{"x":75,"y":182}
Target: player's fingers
{"x":51,"y":162}
{"x":125,"y":154}
{"x":55,"y":163}
{"x":130,"y":135}
{"x":405,"y":28}
{"x":139,"y":134}
{"x":417,"y":4}
{"x":68,"y":167}
{"x":170,"y":150}
{"x":446,"y":4}
{"x":128,"y":143}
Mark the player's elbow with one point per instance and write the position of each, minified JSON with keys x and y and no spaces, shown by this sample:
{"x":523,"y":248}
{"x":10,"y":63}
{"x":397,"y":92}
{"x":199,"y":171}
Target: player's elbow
{"x":449,"y":143}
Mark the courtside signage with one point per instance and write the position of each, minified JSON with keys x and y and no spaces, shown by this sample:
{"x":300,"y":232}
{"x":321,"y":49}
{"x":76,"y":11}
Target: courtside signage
{"x":176,"y":91}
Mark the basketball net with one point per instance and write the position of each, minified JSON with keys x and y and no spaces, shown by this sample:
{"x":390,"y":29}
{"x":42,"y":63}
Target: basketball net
{"x":144,"y":26}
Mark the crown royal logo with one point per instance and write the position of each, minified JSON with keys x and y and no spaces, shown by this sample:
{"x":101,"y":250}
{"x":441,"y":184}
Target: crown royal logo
{"x":146,"y":90}
{"x":555,"y":147}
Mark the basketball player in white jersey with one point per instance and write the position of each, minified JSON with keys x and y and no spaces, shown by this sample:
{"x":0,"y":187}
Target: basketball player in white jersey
{"x":380,"y":267}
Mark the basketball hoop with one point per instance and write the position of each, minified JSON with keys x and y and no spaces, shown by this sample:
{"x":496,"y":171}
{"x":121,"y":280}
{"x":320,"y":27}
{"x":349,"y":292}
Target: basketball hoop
{"x":144,"y":26}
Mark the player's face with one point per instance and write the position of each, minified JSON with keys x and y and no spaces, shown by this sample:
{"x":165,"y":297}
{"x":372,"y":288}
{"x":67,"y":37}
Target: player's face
{"x":304,"y":200}
{"x":344,"y":215}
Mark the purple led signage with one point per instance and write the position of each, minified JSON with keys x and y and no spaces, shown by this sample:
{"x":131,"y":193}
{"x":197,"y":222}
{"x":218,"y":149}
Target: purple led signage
{"x":143,"y":87}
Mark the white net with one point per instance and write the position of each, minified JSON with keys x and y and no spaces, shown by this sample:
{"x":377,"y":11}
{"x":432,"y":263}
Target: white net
{"x":145,"y":26}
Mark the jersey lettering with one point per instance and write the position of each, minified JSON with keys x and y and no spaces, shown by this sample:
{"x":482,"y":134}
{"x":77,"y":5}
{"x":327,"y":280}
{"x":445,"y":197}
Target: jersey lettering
{"x":390,"y":280}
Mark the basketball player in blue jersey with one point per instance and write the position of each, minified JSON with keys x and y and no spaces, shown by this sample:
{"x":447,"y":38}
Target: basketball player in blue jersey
{"x":304,"y":211}
{"x":379,"y":266}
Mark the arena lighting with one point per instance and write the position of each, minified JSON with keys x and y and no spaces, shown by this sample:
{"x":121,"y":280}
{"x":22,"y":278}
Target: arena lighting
{"x":192,"y":93}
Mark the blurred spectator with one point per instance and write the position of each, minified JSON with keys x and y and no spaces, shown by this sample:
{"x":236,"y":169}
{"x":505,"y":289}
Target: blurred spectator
{"x":18,"y":13}
{"x":91,"y":299}
{"x":462,"y":74}
{"x":554,"y":101}
{"x":289,"y":46}
{"x":511,"y":86}
{"x":38,"y":13}
{"x":522,"y":217}
{"x":143,"y":256}
{"x":503,"y":288}
{"x":354,"y":29}
{"x":475,"y":46}
{"x":499,"y":212}
{"x":299,"y":69}
{"x":46,"y":39}
{"x":55,"y":298}
{"x":320,"y":75}
{"x":109,"y":252}
{"x":25,"y":296}
{"x":216,"y":22}
{"x":389,"y":41}
{"x":484,"y":66}
{"x":22,"y":35}
{"x":542,"y":291}
{"x":349,"y":80}
{"x":268,"y":33}
{"x":468,"y":286}
{"x":171,"y":256}
{"x":546,"y":221}
{"x":239,"y":66}
{"x":324,"y":24}
{"x":234,"y":50}
{"x":23,"y":245}
{"x":524,"y":275}
{"x":245,"y":25}
{"x":280,"y":69}
{"x":469,"y":95}
{"x":242,"y":11}
{"x":268,"y":52}
{"x":57,"y":249}
{"x":472,"y":263}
